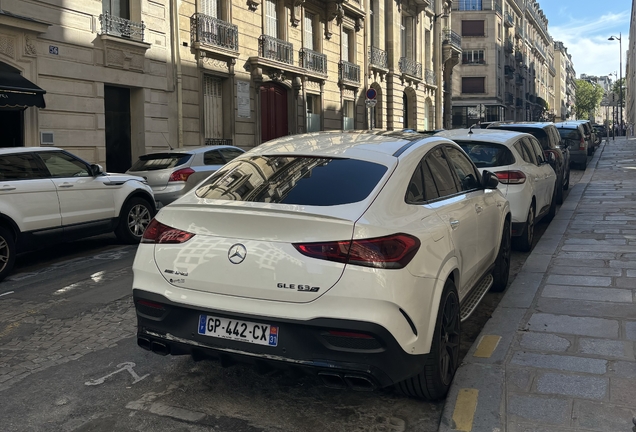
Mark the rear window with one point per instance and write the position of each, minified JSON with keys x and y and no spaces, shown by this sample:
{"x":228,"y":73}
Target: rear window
{"x":486,"y":155}
{"x":572,"y":134}
{"x":297,"y":180}
{"x":159,"y":161}
{"x":539,"y":134}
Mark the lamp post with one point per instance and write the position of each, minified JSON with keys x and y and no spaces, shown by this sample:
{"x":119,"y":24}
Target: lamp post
{"x":620,"y":79}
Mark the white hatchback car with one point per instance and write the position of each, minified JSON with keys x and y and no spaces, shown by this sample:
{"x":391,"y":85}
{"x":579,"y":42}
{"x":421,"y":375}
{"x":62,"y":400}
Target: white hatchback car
{"x":525,"y":177}
{"x":352,"y":255}
{"x":48,"y":196}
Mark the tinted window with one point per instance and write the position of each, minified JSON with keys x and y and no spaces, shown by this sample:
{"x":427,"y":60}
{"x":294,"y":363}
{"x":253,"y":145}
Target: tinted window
{"x":430,"y":190}
{"x":213,"y":158}
{"x":20,"y":167}
{"x":159,"y":161}
{"x":463,"y":168}
{"x":487,"y":155}
{"x":64,"y":165}
{"x":293,"y":180}
{"x":538,"y":151}
{"x":570,"y":134}
{"x":442,"y":175}
{"x":525,"y":142}
{"x":415,"y":190}
{"x":230,"y":153}
{"x":523,"y":152}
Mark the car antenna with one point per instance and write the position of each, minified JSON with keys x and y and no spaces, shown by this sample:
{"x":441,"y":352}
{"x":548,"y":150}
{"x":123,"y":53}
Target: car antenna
{"x":470,"y":129}
{"x":164,"y":138}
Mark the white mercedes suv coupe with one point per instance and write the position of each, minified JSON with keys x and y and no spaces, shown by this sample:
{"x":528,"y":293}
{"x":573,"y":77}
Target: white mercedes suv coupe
{"x":351,"y":255}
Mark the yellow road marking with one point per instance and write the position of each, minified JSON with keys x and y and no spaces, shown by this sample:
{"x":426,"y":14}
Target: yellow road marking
{"x":465,"y":407}
{"x":487,"y":346}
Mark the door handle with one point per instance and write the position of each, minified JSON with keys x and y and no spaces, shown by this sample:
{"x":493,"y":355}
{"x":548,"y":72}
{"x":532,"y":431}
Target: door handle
{"x":454,"y":223}
{"x":66,"y":185}
{"x":478,"y":208}
{"x":8,"y":188}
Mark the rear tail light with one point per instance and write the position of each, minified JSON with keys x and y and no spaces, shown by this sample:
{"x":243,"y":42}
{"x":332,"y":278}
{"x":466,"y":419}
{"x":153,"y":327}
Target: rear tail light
{"x":391,"y":252}
{"x":156,"y":232}
{"x":511,"y":177}
{"x":582,"y":144}
{"x":181,"y":175}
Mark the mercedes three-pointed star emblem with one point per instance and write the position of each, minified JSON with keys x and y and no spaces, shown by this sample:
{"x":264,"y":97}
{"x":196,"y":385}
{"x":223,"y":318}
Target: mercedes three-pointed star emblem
{"x":237,"y":253}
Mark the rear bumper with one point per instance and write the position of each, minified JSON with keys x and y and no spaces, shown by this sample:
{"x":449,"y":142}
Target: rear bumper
{"x":307,"y":345}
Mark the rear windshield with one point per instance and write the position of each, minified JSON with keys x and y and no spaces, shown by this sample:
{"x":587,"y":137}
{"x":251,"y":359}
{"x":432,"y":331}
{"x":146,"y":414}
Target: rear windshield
{"x":293,"y":180}
{"x":159,"y":161}
{"x":486,"y":155}
{"x":572,"y":134}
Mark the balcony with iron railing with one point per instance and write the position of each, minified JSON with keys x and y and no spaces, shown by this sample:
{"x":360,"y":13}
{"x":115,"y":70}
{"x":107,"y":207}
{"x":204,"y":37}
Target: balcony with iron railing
{"x":539,"y":49}
{"x":430,"y":77}
{"x":519,"y":31}
{"x":519,"y":79}
{"x":275,"y":49}
{"x":313,"y":61}
{"x":209,"y":32}
{"x":410,"y":67}
{"x":509,"y":21}
{"x":452,"y":39}
{"x":349,"y":74}
{"x":509,"y":72}
{"x":497,"y":7}
{"x":510,"y":99}
{"x":218,"y":141}
{"x":378,"y":58}
{"x":509,"y":46}
{"x":552,"y":70}
{"x":519,"y":57}
{"x":121,"y":27}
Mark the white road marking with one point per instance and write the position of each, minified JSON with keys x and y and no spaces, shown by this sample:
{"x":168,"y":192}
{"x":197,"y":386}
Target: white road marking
{"x":122,"y":367}
{"x":7,"y":293}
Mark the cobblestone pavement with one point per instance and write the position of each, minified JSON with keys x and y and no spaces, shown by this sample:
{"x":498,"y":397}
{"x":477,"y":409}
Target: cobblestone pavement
{"x":558,"y":353}
{"x":34,"y":336}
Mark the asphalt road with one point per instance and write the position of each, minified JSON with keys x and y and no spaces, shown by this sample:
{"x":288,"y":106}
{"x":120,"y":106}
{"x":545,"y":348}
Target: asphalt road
{"x":69,"y":362}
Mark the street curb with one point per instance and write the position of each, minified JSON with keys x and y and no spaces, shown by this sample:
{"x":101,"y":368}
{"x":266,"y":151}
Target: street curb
{"x":485,"y":377}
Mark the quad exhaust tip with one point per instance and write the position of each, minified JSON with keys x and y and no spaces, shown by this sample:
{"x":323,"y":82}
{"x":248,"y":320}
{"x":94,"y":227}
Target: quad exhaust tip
{"x":339,"y":381}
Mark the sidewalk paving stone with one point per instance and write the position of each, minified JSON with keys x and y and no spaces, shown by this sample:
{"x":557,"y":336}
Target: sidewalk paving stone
{"x":581,"y":386}
{"x":584,"y":326}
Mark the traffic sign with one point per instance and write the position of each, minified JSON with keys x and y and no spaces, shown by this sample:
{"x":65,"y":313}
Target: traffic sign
{"x":370,"y":103}
{"x":371,"y":93}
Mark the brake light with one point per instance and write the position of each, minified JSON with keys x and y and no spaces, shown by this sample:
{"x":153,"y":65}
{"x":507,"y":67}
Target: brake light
{"x":354,"y":335}
{"x":181,"y":175}
{"x":156,"y":232}
{"x":511,"y":177}
{"x":391,"y":252}
{"x":582,"y":144}
{"x":151,"y":304}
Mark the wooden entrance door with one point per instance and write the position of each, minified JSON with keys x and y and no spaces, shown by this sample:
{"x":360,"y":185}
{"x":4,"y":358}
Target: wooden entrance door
{"x":273,"y":112}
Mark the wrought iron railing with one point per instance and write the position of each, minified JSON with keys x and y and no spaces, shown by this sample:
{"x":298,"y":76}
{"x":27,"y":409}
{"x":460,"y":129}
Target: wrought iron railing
{"x":275,"y":49}
{"x":539,"y":48}
{"x":349,"y":72}
{"x":552,"y":69}
{"x":509,"y":46}
{"x":452,"y":38}
{"x":377,"y":57}
{"x":430,"y":76}
{"x":313,"y":60}
{"x":509,"y":20}
{"x":497,"y":7}
{"x":116,"y":26}
{"x":213,"y":31}
{"x":509,"y":72}
{"x":218,"y":141}
{"x":510,"y":99}
{"x":410,"y":67}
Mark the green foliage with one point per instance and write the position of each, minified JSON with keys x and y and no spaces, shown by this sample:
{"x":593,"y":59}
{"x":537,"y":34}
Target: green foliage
{"x":616,"y":88}
{"x":588,"y":98}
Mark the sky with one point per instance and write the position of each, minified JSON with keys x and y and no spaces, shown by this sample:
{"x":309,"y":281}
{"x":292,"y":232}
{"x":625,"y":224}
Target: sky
{"x":584,"y":27}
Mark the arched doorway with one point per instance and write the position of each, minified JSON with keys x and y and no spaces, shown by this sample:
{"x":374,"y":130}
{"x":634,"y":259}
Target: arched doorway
{"x":377,"y":110}
{"x":274,"y":115}
{"x":409,"y":109}
{"x":405,"y":111}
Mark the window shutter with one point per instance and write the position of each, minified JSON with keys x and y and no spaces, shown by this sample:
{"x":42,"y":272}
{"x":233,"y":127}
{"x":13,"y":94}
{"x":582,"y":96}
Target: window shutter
{"x":210,"y":8}
{"x":212,"y":107}
{"x":345,"y":45}
{"x":473,"y":28}
{"x":309,"y":30}
{"x":473,"y":85}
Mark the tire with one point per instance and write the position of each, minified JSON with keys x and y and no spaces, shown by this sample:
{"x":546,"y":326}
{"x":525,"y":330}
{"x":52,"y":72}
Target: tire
{"x":559,"y":190}
{"x":443,"y":360}
{"x":553,"y":205}
{"x":501,"y":272}
{"x":566,"y":185}
{"x":134,"y":217}
{"x":7,"y":252}
{"x":524,"y":241}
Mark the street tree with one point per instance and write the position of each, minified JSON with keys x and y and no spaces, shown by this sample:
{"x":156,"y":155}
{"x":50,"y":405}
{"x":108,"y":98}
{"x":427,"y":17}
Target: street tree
{"x":616,"y":88}
{"x":588,"y":98}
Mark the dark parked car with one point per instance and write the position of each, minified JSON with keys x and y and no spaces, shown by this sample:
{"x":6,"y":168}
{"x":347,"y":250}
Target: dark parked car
{"x":590,"y":135}
{"x":601,"y":131}
{"x":548,"y":136}
{"x":574,"y":136}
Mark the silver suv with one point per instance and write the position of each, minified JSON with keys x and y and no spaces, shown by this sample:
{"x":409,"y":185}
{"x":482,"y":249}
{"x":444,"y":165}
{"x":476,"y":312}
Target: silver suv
{"x":171,"y":174}
{"x":48,"y":195}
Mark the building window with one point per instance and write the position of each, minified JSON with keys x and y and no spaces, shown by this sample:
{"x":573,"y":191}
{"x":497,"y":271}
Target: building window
{"x":473,"y":57}
{"x":271,"y":18}
{"x":118,"y":8}
{"x":313,"y":113}
{"x":465,"y":5}
{"x":211,"y":8}
{"x":348,"y":52}
{"x":473,"y":85}
{"x":407,"y":36}
{"x":212,"y":108}
{"x":348,"y":120}
{"x":473,"y":28}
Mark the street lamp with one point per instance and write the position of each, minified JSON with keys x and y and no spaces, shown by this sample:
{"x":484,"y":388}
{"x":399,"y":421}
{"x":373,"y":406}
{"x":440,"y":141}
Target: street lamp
{"x":620,"y":79}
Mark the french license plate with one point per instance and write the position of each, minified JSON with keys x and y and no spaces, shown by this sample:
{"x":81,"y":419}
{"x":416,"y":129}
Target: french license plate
{"x":244,"y":331}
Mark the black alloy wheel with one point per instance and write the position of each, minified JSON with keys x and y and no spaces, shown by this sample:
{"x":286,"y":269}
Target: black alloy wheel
{"x":449,"y":339}
{"x":524,"y":242}
{"x":501,"y":272}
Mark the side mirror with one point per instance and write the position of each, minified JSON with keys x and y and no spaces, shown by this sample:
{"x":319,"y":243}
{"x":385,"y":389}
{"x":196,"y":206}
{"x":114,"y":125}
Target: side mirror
{"x":489,"y":180}
{"x":551,"y":158}
{"x":96,"y":170}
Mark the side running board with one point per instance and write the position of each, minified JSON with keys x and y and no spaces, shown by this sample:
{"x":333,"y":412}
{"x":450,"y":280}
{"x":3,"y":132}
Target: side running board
{"x":469,"y":304}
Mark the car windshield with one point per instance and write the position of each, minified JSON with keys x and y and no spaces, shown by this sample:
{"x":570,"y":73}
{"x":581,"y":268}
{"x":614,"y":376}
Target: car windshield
{"x":301,"y":180}
{"x":159,"y":161}
{"x":487,"y":155}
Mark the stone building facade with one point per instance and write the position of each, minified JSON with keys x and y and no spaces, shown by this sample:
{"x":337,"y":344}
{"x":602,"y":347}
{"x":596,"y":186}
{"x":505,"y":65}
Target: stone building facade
{"x":507,"y":70}
{"x":565,"y":83}
{"x":107,"y":70}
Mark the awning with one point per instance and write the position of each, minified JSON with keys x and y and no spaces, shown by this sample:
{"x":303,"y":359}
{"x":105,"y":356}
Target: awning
{"x":18,"y":92}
